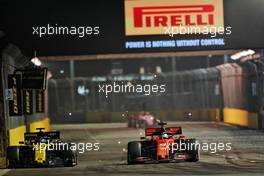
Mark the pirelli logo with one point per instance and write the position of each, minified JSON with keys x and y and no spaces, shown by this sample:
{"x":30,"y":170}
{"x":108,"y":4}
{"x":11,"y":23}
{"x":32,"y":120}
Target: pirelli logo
{"x":39,"y":99}
{"x":15,"y":105}
{"x":148,"y":17}
{"x":27,"y":102}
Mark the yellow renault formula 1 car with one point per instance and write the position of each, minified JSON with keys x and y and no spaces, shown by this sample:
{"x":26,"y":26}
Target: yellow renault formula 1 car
{"x":42,"y":149}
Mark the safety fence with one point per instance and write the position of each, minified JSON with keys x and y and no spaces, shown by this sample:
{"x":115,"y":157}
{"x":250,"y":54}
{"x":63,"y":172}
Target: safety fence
{"x":198,"y":89}
{"x":201,"y":91}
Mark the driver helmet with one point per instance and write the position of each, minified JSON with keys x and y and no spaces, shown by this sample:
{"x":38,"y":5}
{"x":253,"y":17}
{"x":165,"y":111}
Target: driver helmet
{"x":165,"y":136}
{"x":43,"y":140}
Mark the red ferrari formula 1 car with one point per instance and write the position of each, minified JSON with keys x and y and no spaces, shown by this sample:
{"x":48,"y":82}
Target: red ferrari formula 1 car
{"x":164,"y":144}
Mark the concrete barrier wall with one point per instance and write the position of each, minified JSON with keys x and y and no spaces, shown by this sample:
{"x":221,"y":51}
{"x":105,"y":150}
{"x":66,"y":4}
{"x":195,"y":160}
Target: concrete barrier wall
{"x":166,"y":115}
{"x":189,"y":115}
{"x":240,"y":117}
{"x":42,"y":123}
{"x":17,"y":134}
{"x":230,"y":115}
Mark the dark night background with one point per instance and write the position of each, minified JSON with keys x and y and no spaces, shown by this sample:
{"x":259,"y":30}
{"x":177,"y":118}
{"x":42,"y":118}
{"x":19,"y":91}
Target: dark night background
{"x":18,"y":17}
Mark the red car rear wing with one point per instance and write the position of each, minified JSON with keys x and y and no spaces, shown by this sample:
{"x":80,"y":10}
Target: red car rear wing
{"x":173,"y":130}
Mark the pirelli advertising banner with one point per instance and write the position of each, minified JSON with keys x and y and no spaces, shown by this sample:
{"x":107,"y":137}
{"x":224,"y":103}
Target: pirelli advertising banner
{"x":27,"y":102}
{"x":145,"y":17}
{"x":131,"y":26}
{"x":39,"y":98}
{"x":15,"y":104}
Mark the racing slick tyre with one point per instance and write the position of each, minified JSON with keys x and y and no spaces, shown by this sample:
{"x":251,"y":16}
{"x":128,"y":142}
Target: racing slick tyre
{"x":70,"y":158}
{"x":133,"y":152}
{"x":74,"y":159}
{"x":13,"y":156}
{"x":193,"y":150}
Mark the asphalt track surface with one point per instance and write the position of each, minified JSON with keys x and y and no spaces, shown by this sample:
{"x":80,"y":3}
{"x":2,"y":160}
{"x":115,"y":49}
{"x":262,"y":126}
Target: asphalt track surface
{"x":245,"y":158}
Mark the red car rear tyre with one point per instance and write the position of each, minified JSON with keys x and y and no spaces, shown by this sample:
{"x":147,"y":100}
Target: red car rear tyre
{"x":133,"y":152}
